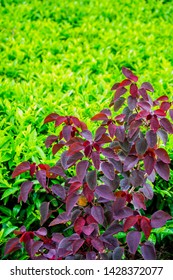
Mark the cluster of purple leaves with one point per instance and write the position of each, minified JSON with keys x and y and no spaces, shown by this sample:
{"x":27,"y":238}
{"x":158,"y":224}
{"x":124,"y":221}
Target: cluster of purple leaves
{"x":114,"y":170}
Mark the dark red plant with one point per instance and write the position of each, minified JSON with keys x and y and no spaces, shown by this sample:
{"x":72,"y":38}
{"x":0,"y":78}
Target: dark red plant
{"x":112,"y":182}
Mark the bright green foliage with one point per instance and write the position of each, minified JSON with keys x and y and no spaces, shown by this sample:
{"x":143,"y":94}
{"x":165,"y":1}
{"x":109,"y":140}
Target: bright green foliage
{"x":63,"y":56}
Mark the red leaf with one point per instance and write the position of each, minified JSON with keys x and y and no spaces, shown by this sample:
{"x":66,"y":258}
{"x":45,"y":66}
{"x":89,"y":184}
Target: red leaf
{"x":81,"y":169}
{"x":51,"y":117}
{"x":130,"y":221}
{"x":154,"y":123}
{"x":159,"y":218}
{"x":162,"y":98}
{"x":56,"y":148}
{"x":163,"y":155}
{"x":44,"y":211}
{"x":21,"y":168}
{"x":160,"y":112}
{"x":88,"y":193}
{"x":119,"y":92}
{"x":133,"y":239}
{"x":99,"y":117}
{"x":26,"y":188}
{"x":134,"y":90}
{"x":124,"y":83}
{"x":59,"y":120}
{"x":115,"y":86}
{"x":99,"y":132}
{"x":146,"y":226}
{"x":78,"y":225}
{"x":138,"y":201}
{"x":12,"y":245}
{"x":167,"y":125}
{"x":149,"y":163}
{"x":165,"y":106}
{"x":108,"y":170}
{"x":75,"y":147}
{"x":129,"y":74}
{"x":163,"y":170}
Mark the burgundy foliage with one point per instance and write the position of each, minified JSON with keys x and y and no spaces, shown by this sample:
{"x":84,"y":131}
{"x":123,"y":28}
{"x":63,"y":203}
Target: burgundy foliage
{"x":112,"y":181}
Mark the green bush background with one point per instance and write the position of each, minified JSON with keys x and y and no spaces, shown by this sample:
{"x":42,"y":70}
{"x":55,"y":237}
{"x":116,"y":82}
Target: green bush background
{"x":64,"y":56}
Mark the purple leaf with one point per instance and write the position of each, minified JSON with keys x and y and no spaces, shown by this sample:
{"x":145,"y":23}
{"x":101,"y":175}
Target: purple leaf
{"x":118,"y":103}
{"x":98,"y":214}
{"x":66,"y":132}
{"x":141,"y":146}
{"x":26,"y":188}
{"x":91,"y":255}
{"x":139,"y":201}
{"x":119,"y":92}
{"x":130,"y":162}
{"x":108,"y":152}
{"x":57,"y":147}
{"x":163,"y":170}
{"x":154,"y":123}
{"x":149,"y":163}
{"x":12,"y":245}
{"x":129,"y":74}
{"x":133,"y":239}
{"x":50,"y":139}
{"x":147,"y":86}
{"x":91,"y":179}
{"x":41,"y":177}
{"x":71,"y":160}
{"x":108,"y":170}
{"x":105,"y":192}
{"x":163,"y":155}
{"x":35,"y":247}
{"x":59,"y":191}
{"x":88,"y":229}
{"x":97,"y":244}
{"x":77,"y":244}
{"x":171,"y":113}
{"x":144,"y":105}
{"x":81,"y":169}
{"x":71,"y":201}
{"x":21,"y":168}
{"x":44,"y":211}
{"x":120,"y":133}
{"x":112,"y":129}
{"x":123,"y":213}
{"x":151,"y":137}
{"x":159,"y":218}
{"x":163,"y":135}
{"x":87,"y":135}
{"x":41,"y":231}
{"x":57,"y":170}
{"x":117,"y":253}
{"x":51,"y":117}
{"x":148,"y":251}
{"x":95,"y":156}
{"x":147,"y":191}
{"x":61,"y":219}
{"x":132,"y":101}
{"x":166,"y":124}
{"x":99,"y":132}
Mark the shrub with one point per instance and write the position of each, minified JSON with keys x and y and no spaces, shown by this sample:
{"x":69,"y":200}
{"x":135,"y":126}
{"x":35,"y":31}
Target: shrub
{"x":101,"y":183}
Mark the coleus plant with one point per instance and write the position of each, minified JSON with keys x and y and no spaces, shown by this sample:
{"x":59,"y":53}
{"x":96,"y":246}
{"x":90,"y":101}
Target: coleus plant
{"x":113,"y":173}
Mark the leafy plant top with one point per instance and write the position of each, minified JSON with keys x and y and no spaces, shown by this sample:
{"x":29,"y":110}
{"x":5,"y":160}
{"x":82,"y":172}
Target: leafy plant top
{"x":102,"y":182}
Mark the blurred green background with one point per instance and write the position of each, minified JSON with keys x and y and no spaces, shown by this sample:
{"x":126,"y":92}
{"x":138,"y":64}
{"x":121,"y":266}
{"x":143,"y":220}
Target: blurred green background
{"x":64,"y":57}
